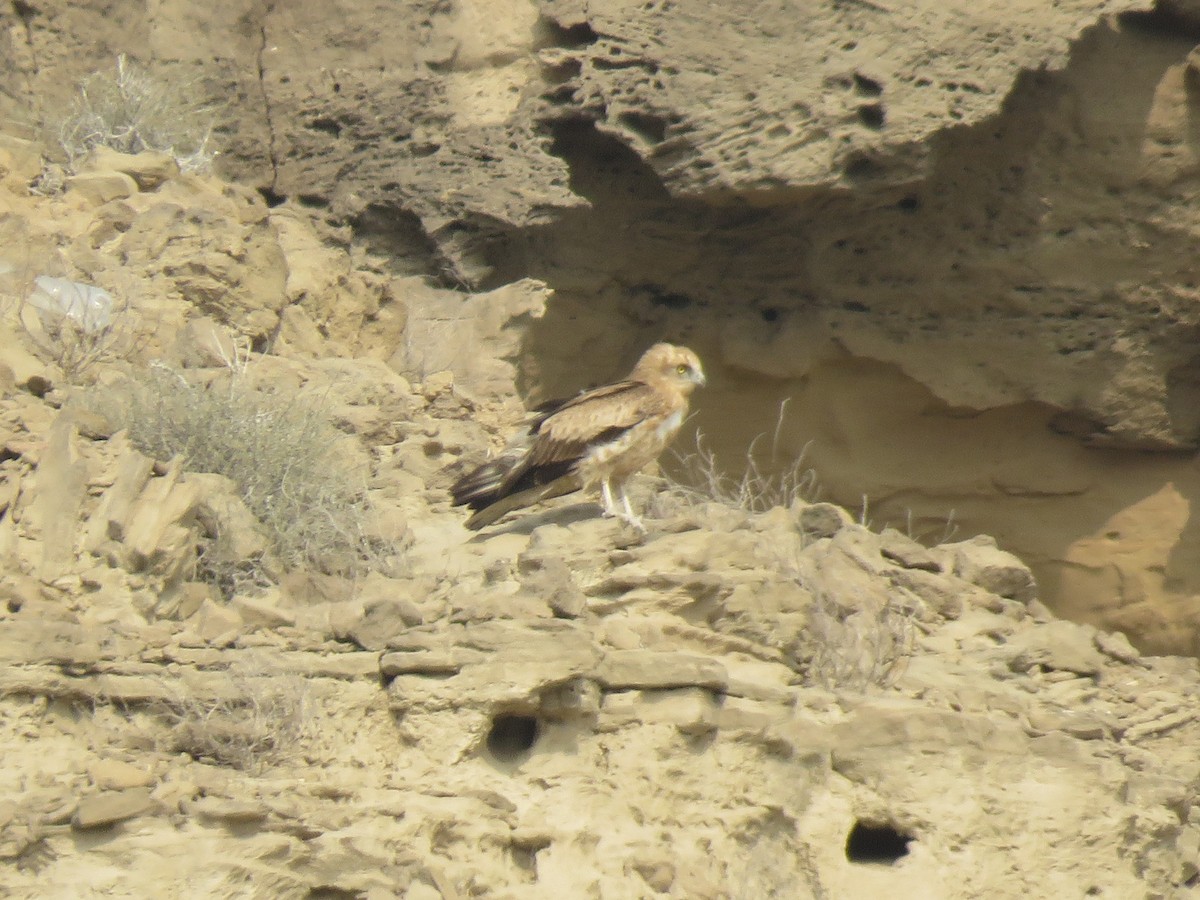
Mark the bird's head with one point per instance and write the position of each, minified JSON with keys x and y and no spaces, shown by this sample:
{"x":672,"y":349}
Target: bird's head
{"x":667,"y":362}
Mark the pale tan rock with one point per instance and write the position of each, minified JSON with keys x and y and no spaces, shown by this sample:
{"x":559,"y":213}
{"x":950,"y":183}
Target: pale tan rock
{"x":98,"y":188}
{"x":417,"y":662}
{"x":298,"y":334}
{"x":238,"y":537}
{"x":649,"y":669}
{"x":205,"y":343}
{"x":116,"y":775}
{"x":691,"y":710}
{"x":217,"y":623}
{"x":21,"y":158}
{"x":982,"y":563}
{"x":906,"y":552}
{"x":183,"y":599}
{"x":111,"y":518}
{"x":148,"y":169}
{"x":18,"y":591}
{"x":112,"y":807}
{"x":1059,"y":645}
{"x":60,"y":484}
{"x":263,"y":610}
{"x":228,"y":810}
{"x":822,"y":520}
{"x":384,"y":617}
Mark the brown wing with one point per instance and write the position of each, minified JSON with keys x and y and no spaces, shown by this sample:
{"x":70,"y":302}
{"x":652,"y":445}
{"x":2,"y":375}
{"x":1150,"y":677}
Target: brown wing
{"x":566,"y":435}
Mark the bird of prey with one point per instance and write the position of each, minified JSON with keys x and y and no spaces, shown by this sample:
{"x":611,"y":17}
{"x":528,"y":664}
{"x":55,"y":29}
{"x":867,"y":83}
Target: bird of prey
{"x":600,"y":437}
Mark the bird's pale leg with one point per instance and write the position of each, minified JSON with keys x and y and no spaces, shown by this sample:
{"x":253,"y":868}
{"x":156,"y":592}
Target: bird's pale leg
{"x":629,"y":516}
{"x":606,"y":495}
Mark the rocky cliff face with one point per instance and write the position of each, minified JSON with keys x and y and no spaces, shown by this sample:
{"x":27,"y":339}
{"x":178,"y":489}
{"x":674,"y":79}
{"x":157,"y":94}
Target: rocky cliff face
{"x":941,"y":256}
{"x":955,"y":241}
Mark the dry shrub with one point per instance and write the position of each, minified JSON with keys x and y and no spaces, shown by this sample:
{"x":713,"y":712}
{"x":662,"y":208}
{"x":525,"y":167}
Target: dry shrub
{"x":248,"y":717}
{"x":281,"y":452}
{"x":76,"y":344}
{"x":132,"y":110}
{"x":698,"y":477}
{"x":853,"y":648}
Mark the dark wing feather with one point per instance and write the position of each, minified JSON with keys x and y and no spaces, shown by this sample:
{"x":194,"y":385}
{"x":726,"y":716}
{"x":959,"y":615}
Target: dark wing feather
{"x":562,"y":433}
{"x":565,"y":436}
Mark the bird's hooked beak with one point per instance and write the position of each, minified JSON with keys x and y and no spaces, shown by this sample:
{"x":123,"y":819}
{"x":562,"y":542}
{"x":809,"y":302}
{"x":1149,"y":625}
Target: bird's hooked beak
{"x":698,"y":377}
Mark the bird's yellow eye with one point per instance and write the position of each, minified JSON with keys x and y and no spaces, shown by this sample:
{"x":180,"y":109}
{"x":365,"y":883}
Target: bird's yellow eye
{"x":681,"y":369}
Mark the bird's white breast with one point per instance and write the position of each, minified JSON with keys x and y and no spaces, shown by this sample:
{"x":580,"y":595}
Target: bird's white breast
{"x":667,"y":427}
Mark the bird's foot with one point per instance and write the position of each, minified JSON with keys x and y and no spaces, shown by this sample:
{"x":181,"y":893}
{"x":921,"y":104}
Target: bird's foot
{"x":634,"y":522}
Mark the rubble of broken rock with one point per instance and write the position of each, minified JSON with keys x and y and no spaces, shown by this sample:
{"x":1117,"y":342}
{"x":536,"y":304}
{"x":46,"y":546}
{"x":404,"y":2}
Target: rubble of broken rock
{"x":736,"y":704}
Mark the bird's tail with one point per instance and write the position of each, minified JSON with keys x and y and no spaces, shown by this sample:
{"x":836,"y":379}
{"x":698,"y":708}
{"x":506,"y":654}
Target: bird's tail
{"x":482,"y":486}
{"x":506,"y":503}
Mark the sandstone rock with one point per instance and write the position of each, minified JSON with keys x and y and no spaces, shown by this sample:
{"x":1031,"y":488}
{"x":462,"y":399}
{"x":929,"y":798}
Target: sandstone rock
{"x":298,"y":334}
{"x":693,"y":710}
{"x":111,"y":807}
{"x":21,"y":158}
{"x":234,"y":811}
{"x":419,"y":662}
{"x":231,"y":268}
{"x":822,"y":520}
{"x":263,"y":610}
{"x":60,"y":484}
{"x":1117,"y":646}
{"x":217,"y":623}
{"x":1062,"y":646}
{"x":110,"y":519}
{"x":18,"y":591}
{"x":158,"y":536}
{"x":383,"y":619}
{"x":648,"y":669}
{"x":204,"y":343}
{"x":906,"y":552}
{"x":604,"y":161}
{"x":238,"y":537}
{"x":98,"y":188}
{"x":183,"y":599}
{"x":551,"y":579}
{"x":981,"y":562}
{"x":149,"y":169}
{"x":117,"y":775}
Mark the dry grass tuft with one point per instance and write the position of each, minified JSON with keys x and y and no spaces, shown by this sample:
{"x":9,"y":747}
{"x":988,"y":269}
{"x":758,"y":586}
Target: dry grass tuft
{"x":852,"y":649}
{"x":254,"y":716}
{"x":282,"y":454}
{"x":132,"y":110}
{"x":766,"y":481}
{"x":77,"y":336}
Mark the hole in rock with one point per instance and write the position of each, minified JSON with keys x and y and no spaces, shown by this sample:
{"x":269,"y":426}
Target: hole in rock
{"x":603,"y":169}
{"x":651,"y":129}
{"x":271,"y":198}
{"x":860,"y":167}
{"x":872,"y":115}
{"x":1166,"y":18}
{"x":327,"y":126}
{"x":549,"y":33}
{"x":876,"y":844}
{"x":512,"y":736}
{"x":867,"y":87}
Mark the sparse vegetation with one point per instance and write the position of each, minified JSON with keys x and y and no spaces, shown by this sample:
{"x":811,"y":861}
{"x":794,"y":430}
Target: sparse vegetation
{"x":248,"y":718}
{"x":132,"y":110}
{"x":698,"y":476}
{"x":76,"y":334}
{"x":853,"y":648}
{"x":281,"y":452}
